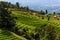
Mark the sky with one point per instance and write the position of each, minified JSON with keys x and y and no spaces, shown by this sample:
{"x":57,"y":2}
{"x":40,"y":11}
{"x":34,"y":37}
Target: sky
{"x":38,"y":4}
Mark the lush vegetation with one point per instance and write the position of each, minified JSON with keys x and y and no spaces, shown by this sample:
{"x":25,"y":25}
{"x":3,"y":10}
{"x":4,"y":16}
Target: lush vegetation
{"x":28,"y":24}
{"x":7,"y":35}
{"x":30,"y":27}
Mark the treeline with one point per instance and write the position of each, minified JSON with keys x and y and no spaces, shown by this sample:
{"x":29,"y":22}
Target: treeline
{"x":10,"y":5}
{"x":18,"y":6}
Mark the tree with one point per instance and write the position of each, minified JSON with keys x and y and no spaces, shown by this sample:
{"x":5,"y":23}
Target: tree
{"x":4,"y":4}
{"x":46,"y":12}
{"x":48,"y":16}
{"x":54,"y":13}
{"x":17,"y":4}
{"x":27,"y":8}
{"x":9,"y":5}
{"x":7,"y":21}
{"x":42,"y":12}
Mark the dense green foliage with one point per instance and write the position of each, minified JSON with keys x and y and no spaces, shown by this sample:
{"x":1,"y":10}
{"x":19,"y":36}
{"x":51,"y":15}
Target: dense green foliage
{"x":6,"y":20}
{"x":7,"y":5}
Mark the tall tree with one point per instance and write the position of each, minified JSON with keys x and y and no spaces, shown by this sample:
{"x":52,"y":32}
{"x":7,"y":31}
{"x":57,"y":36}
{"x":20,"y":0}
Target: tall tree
{"x":46,"y":12}
{"x":27,"y":8}
{"x":9,"y":5}
{"x":17,"y":4}
{"x":54,"y":13}
{"x":42,"y":12}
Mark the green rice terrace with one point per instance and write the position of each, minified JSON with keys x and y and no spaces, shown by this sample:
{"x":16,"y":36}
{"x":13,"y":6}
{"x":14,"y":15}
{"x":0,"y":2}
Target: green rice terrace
{"x":30,"y":22}
{"x":27,"y":24}
{"x":22,"y":23}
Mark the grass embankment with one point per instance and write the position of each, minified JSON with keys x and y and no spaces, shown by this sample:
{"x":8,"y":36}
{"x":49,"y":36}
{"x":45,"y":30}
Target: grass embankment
{"x":7,"y":35}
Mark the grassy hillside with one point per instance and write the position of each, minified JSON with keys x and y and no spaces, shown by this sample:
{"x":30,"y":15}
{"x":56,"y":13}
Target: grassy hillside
{"x":28,"y":20}
{"x":7,"y":35}
{"x":28,"y":23}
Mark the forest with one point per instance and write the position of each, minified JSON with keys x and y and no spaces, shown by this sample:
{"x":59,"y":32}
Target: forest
{"x":23,"y":23}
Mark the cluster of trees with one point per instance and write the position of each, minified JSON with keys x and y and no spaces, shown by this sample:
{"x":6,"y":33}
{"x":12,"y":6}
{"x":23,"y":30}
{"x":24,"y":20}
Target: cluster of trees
{"x":10,"y":5}
{"x":6,"y":4}
{"x":7,"y":21}
{"x":42,"y":12}
{"x":17,"y":5}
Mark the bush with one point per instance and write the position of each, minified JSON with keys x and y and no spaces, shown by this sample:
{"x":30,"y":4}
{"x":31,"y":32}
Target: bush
{"x":50,"y":32}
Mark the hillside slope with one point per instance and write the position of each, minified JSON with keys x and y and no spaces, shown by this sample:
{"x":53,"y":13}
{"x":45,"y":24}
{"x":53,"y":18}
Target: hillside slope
{"x":28,"y":21}
{"x":7,"y":35}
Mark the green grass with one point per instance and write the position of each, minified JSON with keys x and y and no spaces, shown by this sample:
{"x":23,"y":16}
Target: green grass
{"x":7,"y":35}
{"x":30,"y":22}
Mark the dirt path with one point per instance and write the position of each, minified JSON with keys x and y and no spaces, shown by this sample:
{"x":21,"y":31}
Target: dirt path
{"x":18,"y":36}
